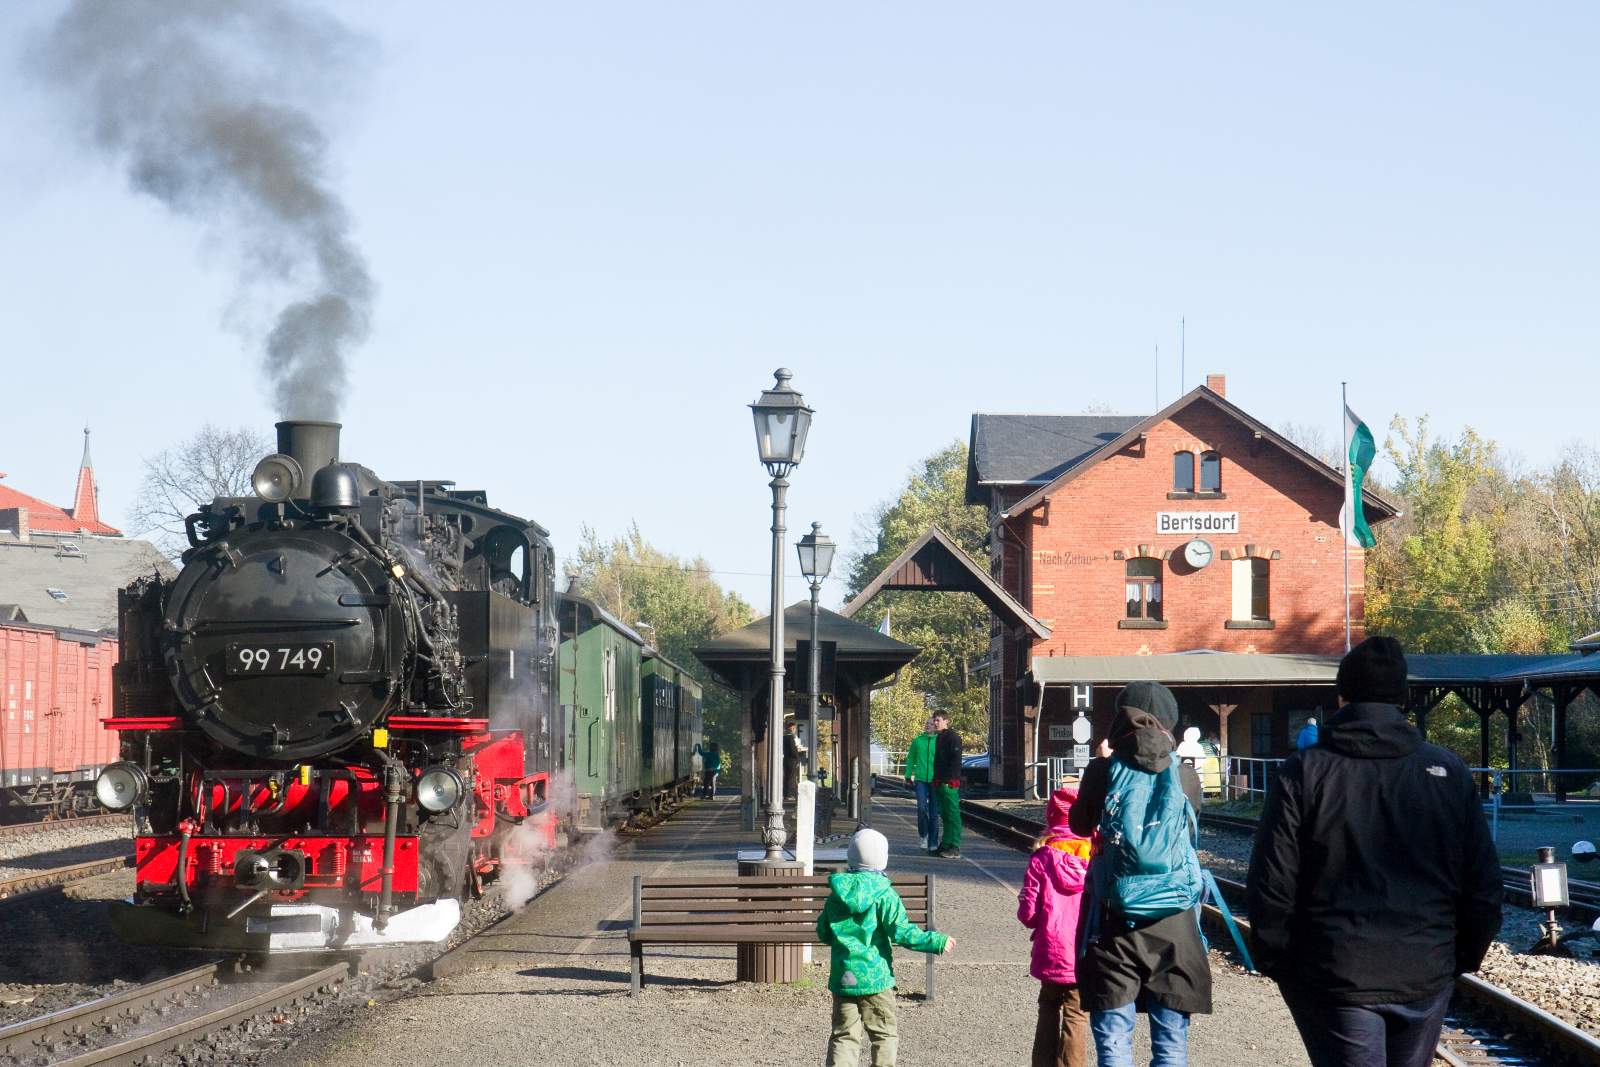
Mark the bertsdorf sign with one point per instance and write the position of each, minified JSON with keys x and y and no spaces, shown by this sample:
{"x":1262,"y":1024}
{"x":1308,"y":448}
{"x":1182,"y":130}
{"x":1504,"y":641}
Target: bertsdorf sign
{"x":1197,"y":522}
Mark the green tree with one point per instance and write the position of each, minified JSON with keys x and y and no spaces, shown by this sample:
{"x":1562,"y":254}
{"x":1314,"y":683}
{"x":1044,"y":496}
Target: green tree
{"x":676,"y":604}
{"x":952,"y":630}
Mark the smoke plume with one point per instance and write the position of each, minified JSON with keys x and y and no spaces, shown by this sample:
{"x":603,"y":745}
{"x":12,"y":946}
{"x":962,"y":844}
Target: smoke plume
{"x":212,"y":108}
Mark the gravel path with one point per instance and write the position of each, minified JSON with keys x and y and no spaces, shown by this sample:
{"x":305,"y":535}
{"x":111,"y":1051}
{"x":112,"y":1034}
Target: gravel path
{"x":557,"y":991}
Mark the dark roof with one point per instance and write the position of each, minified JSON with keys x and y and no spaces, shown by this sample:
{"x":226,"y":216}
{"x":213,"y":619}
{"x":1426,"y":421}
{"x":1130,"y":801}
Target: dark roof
{"x":937,"y":564}
{"x":1445,"y":668}
{"x":1381,"y":509}
{"x":851,"y":637}
{"x":1033,"y":449}
{"x":1582,"y":668}
{"x":87,"y":570}
{"x":860,"y":651}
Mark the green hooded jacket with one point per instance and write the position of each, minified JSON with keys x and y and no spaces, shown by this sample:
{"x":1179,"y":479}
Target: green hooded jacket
{"x":862,"y":921}
{"x":919,"y":757}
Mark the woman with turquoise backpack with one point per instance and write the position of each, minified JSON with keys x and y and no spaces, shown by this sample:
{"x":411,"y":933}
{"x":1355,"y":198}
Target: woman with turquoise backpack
{"x":1140,"y":947}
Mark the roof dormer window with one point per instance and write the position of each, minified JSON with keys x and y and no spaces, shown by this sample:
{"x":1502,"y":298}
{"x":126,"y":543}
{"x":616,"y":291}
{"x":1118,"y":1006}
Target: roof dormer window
{"x":58,"y":594}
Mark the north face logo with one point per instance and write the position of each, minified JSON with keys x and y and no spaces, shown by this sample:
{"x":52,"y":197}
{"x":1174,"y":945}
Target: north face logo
{"x":1437,"y":771}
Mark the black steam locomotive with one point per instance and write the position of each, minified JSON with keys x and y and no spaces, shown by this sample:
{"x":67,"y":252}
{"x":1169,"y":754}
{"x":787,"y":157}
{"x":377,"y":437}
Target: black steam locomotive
{"x":340,"y":713}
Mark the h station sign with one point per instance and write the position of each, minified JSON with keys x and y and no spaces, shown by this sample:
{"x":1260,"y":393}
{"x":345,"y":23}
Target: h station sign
{"x":1080,"y":730}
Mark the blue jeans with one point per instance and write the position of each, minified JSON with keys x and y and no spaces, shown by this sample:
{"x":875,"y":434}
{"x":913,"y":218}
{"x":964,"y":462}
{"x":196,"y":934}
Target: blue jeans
{"x":1352,"y":1035}
{"x":927,"y":814}
{"x":1113,"y":1036}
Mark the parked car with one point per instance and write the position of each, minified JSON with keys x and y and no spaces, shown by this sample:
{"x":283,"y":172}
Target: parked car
{"x":975,"y":768}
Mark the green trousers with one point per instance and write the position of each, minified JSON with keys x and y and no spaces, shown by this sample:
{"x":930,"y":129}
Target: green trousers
{"x":949,"y":815}
{"x":875,"y":1015}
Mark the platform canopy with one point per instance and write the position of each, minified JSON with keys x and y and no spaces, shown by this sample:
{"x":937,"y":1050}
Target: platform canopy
{"x":933,"y":563}
{"x":863,"y":656}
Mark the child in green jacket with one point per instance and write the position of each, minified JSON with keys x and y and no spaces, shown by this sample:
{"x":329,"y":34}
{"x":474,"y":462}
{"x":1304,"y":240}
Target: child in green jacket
{"x":863,"y":918}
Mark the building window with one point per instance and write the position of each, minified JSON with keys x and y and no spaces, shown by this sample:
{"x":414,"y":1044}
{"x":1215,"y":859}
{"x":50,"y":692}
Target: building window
{"x":1183,"y":472}
{"x":1144,"y":589}
{"x":1252,"y":590}
{"x":1210,"y":472}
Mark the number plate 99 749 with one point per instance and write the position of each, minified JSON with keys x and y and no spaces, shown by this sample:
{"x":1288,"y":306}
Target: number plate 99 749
{"x":246,"y":659}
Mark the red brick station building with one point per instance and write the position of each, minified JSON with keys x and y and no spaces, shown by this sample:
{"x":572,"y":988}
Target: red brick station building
{"x":1195,"y":547}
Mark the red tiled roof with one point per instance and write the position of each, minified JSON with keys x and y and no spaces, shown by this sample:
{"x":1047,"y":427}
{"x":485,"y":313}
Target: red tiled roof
{"x":47,"y":518}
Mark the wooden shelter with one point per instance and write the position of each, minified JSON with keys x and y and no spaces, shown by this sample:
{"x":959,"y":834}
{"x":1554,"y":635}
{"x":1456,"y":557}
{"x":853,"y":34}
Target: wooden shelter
{"x":855,"y":658}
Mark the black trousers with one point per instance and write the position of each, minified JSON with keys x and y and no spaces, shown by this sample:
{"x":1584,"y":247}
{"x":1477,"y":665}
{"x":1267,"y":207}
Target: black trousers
{"x":1368,"y":1035}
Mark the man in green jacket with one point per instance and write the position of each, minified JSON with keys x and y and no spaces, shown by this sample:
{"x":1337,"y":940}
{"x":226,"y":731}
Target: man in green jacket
{"x":919,"y":775}
{"x":862,"y":921}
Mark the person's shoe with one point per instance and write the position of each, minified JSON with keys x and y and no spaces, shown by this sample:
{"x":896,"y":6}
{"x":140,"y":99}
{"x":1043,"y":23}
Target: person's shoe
{"x":949,"y":852}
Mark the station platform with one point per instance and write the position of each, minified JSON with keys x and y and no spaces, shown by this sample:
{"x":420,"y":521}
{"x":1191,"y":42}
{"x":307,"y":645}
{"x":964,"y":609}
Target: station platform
{"x":550,"y":984}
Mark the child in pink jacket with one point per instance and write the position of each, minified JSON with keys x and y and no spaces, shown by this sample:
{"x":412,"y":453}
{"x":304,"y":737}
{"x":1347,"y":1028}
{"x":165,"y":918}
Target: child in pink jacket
{"x":1052,"y":892}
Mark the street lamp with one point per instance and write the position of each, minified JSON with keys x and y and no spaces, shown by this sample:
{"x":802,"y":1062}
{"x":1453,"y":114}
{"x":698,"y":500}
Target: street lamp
{"x":816,"y":559}
{"x":782,"y":422}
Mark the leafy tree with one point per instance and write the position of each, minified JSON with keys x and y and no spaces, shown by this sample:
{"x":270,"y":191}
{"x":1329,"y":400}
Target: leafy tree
{"x":952,"y":631}
{"x":676,"y":604}
{"x":214,"y":462}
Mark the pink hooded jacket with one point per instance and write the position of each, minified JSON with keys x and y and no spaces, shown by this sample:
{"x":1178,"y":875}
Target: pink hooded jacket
{"x":1052,"y":892}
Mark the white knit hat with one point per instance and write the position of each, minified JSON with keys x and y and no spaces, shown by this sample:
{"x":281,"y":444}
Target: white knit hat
{"x":869,"y":850}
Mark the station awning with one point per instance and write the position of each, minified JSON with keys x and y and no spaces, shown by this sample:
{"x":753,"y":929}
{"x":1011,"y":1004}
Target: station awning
{"x":1188,"y":668}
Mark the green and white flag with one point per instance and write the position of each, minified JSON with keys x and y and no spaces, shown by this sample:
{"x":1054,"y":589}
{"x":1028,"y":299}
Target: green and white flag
{"x":1359,"y":451}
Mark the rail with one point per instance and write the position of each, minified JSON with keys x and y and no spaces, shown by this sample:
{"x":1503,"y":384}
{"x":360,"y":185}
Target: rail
{"x":22,"y":829}
{"x":36,"y":881}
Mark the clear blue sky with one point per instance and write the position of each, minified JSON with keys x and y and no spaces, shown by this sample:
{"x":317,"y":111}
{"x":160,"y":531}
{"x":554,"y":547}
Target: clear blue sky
{"x":597,"y":228}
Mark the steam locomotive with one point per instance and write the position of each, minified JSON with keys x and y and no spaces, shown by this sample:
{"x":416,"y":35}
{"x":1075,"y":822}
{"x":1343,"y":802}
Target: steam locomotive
{"x":357,"y":701}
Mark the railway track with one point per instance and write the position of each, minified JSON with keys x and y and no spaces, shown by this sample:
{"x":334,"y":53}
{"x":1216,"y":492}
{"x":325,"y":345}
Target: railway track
{"x":22,"y":829}
{"x":139,"y":1025}
{"x":1465,"y":1042}
{"x":38,"y":881}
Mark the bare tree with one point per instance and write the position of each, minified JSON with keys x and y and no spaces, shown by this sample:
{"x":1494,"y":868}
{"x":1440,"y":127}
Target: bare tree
{"x":214,"y":462}
{"x":1313,"y":439}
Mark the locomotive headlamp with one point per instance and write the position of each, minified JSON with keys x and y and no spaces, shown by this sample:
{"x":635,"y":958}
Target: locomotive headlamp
{"x":440,"y":789}
{"x":1583,"y":852}
{"x":276,"y":478}
{"x":121,"y":786}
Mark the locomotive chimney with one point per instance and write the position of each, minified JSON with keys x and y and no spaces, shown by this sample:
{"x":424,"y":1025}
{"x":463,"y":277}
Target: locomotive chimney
{"x":313,"y":445}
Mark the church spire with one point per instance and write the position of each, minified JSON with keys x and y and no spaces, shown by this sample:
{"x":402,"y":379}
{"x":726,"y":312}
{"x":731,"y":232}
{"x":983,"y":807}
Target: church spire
{"x":85,"y":501}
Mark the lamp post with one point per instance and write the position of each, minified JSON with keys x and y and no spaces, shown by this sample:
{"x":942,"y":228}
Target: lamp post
{"x":782,"y":422}
{"x":816,"y":559}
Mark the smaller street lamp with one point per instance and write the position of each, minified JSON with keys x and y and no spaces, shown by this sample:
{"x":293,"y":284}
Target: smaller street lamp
{"x":816,"y":559}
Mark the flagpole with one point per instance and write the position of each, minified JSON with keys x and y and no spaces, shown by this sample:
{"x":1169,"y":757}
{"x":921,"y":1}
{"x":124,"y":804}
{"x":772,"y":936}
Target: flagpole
{"x":1345,"y":517}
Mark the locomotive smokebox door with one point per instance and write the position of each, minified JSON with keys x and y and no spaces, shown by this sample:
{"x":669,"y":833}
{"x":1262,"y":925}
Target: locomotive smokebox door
{"x":278,"y":641}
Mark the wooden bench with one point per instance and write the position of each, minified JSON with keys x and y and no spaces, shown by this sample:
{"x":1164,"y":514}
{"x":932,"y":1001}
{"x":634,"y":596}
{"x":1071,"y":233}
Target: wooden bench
{"x":779,"y":910}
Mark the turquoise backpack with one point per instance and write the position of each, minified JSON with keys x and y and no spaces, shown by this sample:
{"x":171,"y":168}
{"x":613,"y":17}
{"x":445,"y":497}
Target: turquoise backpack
{"x":1146,"y":867}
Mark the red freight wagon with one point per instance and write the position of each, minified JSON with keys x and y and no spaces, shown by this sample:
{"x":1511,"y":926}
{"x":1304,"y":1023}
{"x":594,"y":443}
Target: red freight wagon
{"x":55,"y":687}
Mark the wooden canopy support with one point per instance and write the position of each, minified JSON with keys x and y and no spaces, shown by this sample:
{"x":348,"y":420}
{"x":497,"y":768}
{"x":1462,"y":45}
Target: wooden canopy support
{"x":933,"y":563}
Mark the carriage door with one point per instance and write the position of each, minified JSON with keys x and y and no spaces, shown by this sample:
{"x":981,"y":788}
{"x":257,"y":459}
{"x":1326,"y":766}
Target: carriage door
{"x":613,"y":737}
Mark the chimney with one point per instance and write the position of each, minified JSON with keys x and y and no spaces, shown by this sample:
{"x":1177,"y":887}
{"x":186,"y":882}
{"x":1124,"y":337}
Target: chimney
{"x":15,"y":519}
{"x":313,"y":445}
{"x":1217,"y":383}
{"x":85,"y":504}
